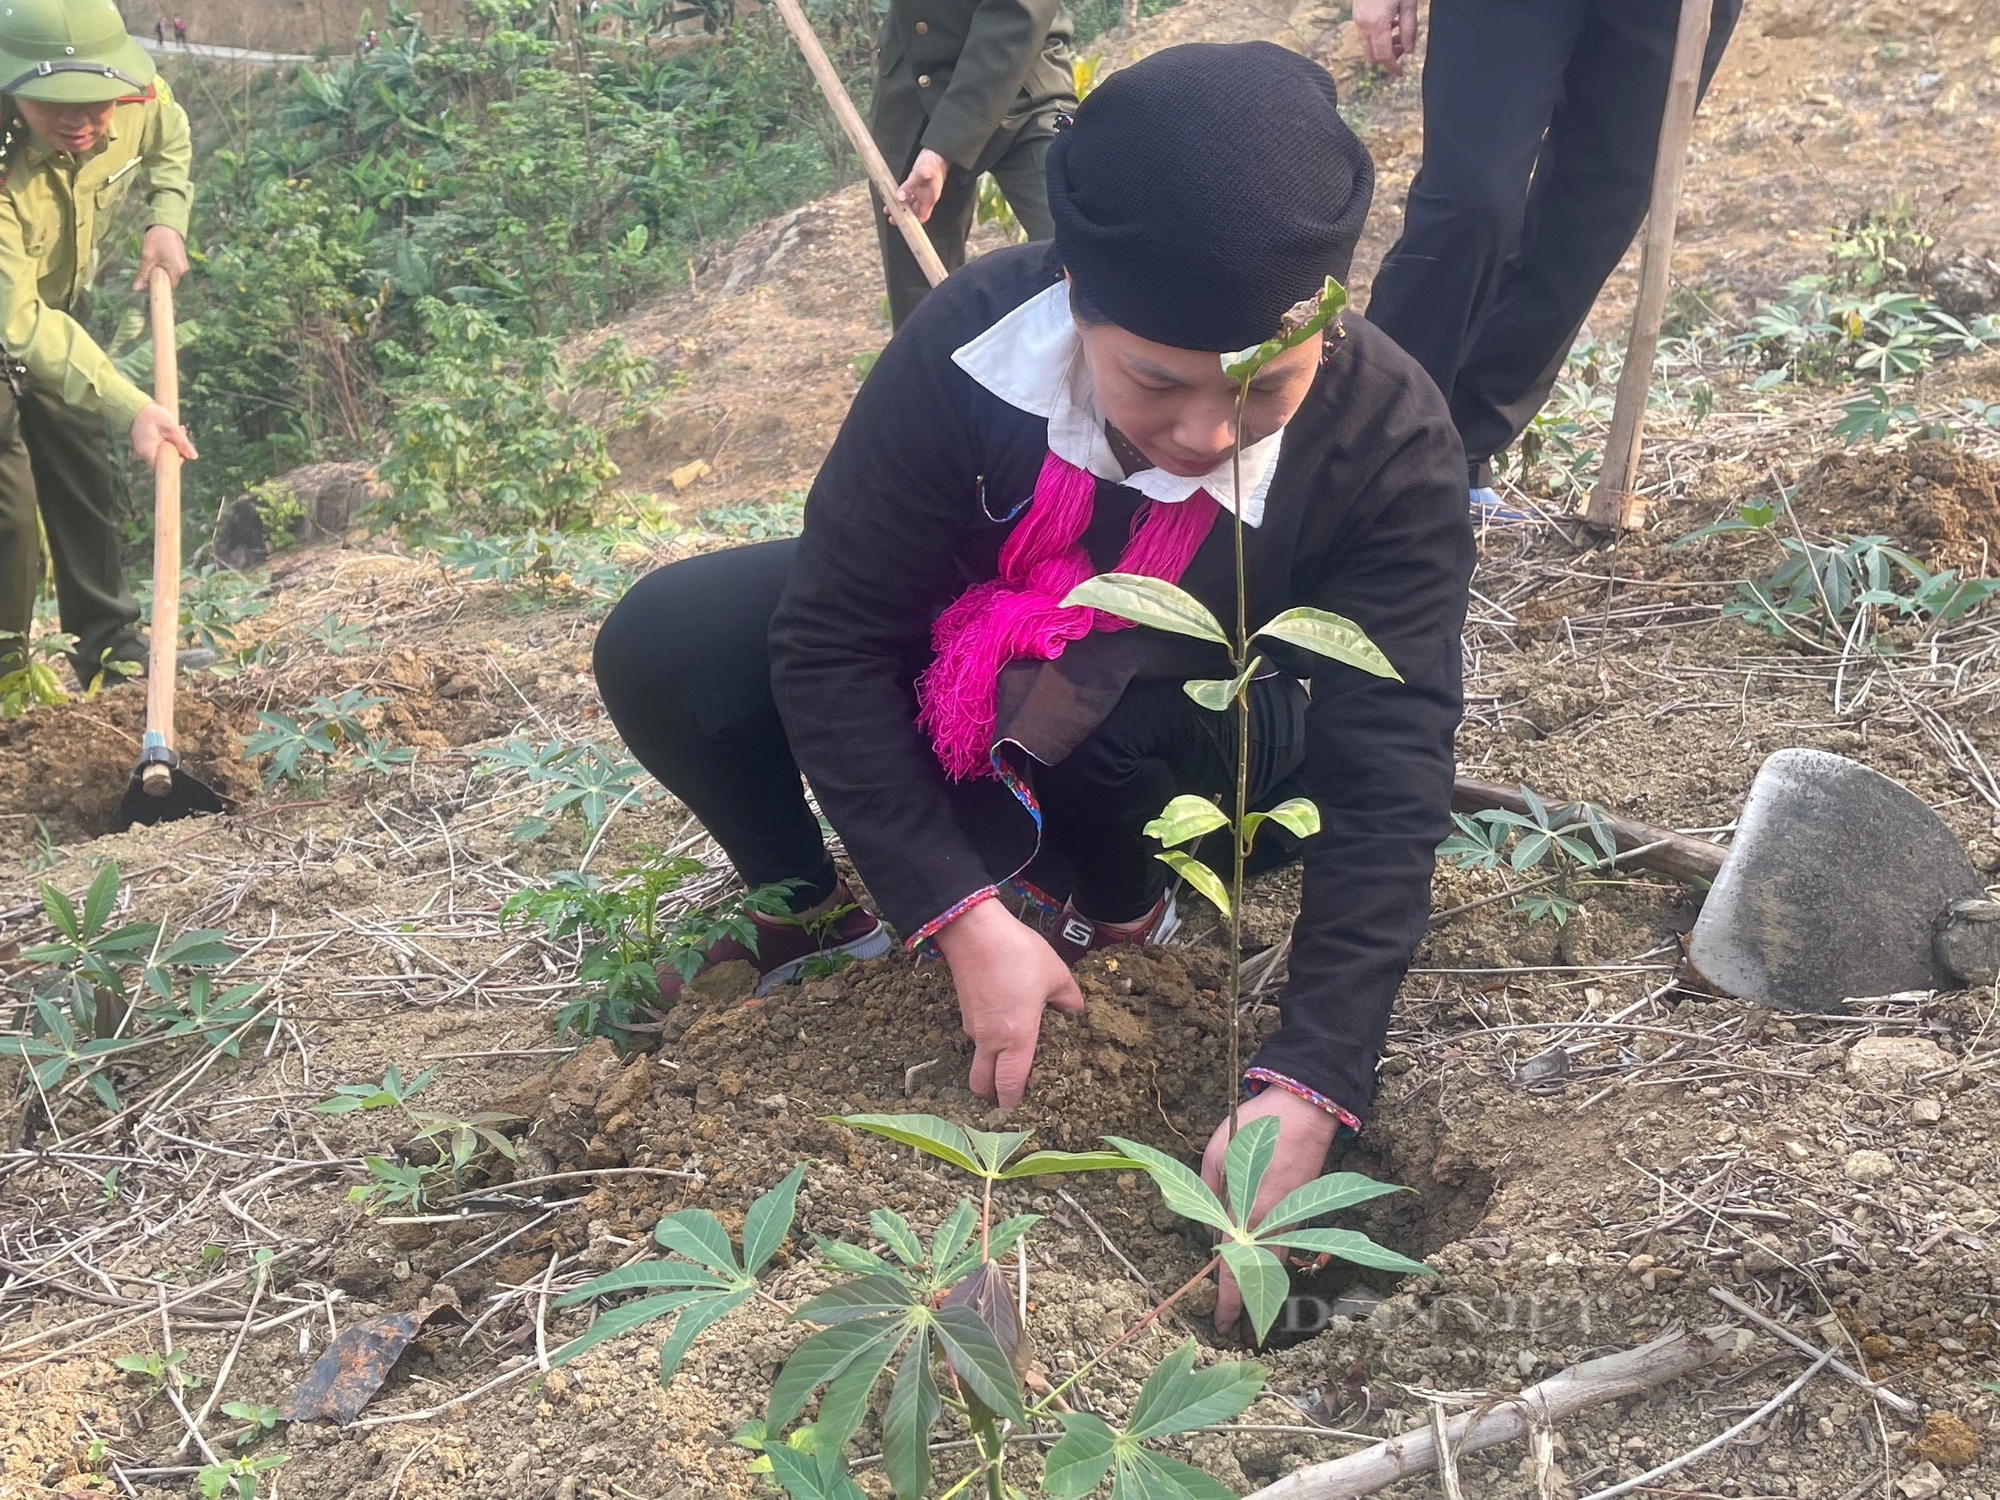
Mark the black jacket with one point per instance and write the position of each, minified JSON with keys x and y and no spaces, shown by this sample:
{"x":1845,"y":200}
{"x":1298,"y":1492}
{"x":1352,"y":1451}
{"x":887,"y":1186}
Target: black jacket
{"x":1366,"y":516}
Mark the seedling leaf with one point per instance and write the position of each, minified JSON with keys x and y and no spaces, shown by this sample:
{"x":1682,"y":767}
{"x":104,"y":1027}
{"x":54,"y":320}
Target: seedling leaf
{"x":1245,"y":1161}
{"x":671,"y":1273}
{"x":1179,"y":1398}
{"x":907,"y":1422}
{"x":1325,"y":1195}
{"x":1148,"y":601}
{"x":1348,"y":1245}
{"x":1081,"y":1458}
{"x":1260,"y":1277}
{"x":691,"y":1322}
{"x":1327,"y":634}
{"x":624,"y":1319}
{"x":1041,"y":1163}
{"x":1198,"y":875}
{"x":1184,"y":819}
{"x":926,"y":1133}
{"x":1181,"y":1190}
{"x":699,"y":1235}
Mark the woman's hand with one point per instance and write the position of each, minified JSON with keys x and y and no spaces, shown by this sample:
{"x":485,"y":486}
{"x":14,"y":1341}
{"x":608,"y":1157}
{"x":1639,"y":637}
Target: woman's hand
{"x":163,"y":247}
{"x":1305,"y":1131}
{"x":1005,"y":973}
{"x":155,"y":426}
{"x":1388,"y":31}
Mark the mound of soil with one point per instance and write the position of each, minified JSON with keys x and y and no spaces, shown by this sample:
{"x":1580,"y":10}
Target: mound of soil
{"x":1937,"y":499}
{"x":65,"y":765}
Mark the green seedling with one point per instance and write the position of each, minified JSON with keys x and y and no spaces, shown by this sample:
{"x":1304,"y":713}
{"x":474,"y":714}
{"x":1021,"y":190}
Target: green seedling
{"x":35,"y":680}
{"x":259,"y":1422}
{"x":590,"y":779}
{"x":312,"y":742}
{"x":237,"y":1477}
{"x":389,"y":1093}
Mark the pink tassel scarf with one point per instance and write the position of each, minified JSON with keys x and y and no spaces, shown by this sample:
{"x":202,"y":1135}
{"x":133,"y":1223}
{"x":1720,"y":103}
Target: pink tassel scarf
{"x":1020,"y":613}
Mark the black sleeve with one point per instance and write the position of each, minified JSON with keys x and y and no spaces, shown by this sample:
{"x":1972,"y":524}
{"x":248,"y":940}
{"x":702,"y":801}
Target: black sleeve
{"x":1379,"y":752}
{"x":897,"y":491}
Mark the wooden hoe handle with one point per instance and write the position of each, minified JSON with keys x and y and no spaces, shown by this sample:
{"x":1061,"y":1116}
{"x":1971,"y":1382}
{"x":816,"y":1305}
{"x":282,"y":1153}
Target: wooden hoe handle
{"x":157,"y":775}
{"x":864,"y":143}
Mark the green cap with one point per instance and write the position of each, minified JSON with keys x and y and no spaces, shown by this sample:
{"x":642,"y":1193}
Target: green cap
{"x":69,"y":52}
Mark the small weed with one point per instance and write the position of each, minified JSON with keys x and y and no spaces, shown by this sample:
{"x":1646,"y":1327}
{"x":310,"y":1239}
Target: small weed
{"x":624,"y":938}
{"x":311,"y":743}
{"x":156,"y":1369}
{"x":1561,"y":840}
{"x":259,"y":1422}
{"x":236,"y":1478}
{"x":591,"y":778}
{"x":782,"y":517}
{"x":337,"y":638}
{"x":391,"y":1184}
{"x":389,"y":1093}
{"x":36,"y":679}
{"x":46,"y":854}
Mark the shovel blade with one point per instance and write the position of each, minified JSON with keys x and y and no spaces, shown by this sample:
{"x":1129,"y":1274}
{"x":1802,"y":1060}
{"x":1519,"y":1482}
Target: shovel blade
{"x":183,"y":797}
{"x":1836,"y":879}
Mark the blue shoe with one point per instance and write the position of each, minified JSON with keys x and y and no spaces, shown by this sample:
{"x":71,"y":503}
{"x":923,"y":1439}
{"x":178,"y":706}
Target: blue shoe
{"x":1490,"y":509}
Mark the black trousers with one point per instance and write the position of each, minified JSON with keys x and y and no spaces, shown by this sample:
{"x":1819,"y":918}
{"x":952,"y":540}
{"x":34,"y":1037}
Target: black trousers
{"x":1541,"y":123}
{"x":684,"y":670}
{"x":56,"y":460}
{"x":1023,"y":183}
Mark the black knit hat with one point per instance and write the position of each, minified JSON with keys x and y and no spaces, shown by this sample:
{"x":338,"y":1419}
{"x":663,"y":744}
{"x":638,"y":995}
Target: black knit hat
{"x":1205,"y":190}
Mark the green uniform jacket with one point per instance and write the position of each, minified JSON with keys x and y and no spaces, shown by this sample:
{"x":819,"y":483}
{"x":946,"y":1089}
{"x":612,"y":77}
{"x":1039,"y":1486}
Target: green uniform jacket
{"x":967,"y":78}
{"x":54,"y":211}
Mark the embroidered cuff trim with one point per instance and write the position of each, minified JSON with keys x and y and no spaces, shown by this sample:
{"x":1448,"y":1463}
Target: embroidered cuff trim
{"x":1256,"y":1080}
{"x":923,"y":935}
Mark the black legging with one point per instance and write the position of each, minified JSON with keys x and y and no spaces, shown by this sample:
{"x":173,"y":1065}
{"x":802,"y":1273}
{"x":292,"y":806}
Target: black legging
{"x":684,"y":669}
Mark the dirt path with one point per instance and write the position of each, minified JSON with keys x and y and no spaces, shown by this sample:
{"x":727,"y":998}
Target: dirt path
{"x":1594,"y":1146}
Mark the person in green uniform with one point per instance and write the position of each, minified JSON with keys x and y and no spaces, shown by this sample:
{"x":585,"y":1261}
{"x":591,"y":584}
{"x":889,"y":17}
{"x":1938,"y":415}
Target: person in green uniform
{"x":85,"y":121}
{"x":964,"y":87}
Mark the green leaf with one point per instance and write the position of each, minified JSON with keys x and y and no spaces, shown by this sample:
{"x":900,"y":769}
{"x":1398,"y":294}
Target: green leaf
{"x":1301,"y":323}
{"x":1184,"y":819}
{"x":1261,"y":1278}
{"x":691,"y":1322}
{"x":893,"y":1230}
{"x":927,"y":1133}
{"x":99,"y":899}
{"x":61,"y":913}
{"x":1043,"y":1163}
{"x":651,"y":1273}
{"x":1296,"y":815}
{"x":806,"y":1477}
{"x":853,"y":1258}
{"x":991,"y":1148}
{"x":953,"y":1234}
{"x":1081,"y":1458}
{"x":699,"y":1235}
{"x":844,"y":1404}
{"x":1148,"y":601}
{"x":907,"y":1421}
{"x":979,"y":1360}
{"x":863,"y":1297}
{"x":617,"y":1320}
{"x":1198,"y":875}
{"x":1002,"y":1236}
{"x":1179,"y":1398}
{"x":1348,"y":1245}
{"x":1327,"y":634}
{"x":1216,"y":693}
{"x":1324,"y":1195}
{"x":825,"y":1356}
{"x":1183,"y":1192}
{"x":1154,"y":1476}
{"x":1244,"y":1163}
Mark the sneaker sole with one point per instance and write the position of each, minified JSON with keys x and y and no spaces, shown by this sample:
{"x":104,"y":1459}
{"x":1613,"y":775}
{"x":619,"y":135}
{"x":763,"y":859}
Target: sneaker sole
{"x":874,"y":945}
{"x":1169,"y":923}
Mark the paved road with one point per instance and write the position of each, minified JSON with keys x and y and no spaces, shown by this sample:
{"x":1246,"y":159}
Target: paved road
{"x":207,"y":53}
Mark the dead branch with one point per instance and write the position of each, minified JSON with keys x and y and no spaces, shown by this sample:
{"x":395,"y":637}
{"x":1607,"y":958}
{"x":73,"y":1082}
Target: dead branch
{"x":1674,"y":1354}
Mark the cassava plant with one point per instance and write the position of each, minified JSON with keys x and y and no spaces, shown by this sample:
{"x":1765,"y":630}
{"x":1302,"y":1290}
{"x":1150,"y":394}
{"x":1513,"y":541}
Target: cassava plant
{"x":939,"y":1323}
{"x":1165,"y":606}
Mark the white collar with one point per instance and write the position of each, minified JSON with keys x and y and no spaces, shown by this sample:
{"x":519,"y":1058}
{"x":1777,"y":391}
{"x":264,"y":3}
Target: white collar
{"x":1033,"y":359}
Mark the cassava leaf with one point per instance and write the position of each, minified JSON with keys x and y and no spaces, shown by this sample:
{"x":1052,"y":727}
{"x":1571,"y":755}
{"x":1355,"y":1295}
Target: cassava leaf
{"x":907,"y":1421}
{"x":1148,"y":601}
{"x":893,"y":1230}
{"x":767,"y":1221}
{"x":1041,"y":1163}
{"x":954,"y":1233}
{"x":990,"y":1148}
{"x":1261,"y":1278}
{"x":1081,"y":1458}
{"x":1324,"y":1195}
{"x":691,"y":1322}
{"x":982,"y":1364}
{"x":1177,"y":1397}
{"x":853,"y":1257}
{"x":1327,"y":634}
{"x":669,"y":1273}
{"x":824,"y":1356}
{"x":1154,"y":1476}
{"x":1245,"y":1161}
{"x":863,"y":1297}
{"x":1183,"y":1192}
{"x":844,"y":1403}
{"x":1348,"y":1245}
{"x":926,"y":1133}
{"x":699,"y":1235}
{"x":809,"y":1477}
{"x":623,"y":1319}
{"x":1186,"y":818}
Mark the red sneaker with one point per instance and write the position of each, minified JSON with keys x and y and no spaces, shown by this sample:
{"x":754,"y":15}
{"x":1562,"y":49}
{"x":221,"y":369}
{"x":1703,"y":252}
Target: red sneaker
{"x":784,"y":948}
{"x":1077,"y":934}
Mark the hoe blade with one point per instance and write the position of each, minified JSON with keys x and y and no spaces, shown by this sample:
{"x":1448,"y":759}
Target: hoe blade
{"x":182,"y":797}
{"x":1835,"y":882}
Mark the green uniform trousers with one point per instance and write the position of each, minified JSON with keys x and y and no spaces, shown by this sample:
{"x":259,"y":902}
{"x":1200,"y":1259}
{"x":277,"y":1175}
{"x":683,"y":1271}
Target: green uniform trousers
{"x":1024,"y":184}
{"x":58,"y":459}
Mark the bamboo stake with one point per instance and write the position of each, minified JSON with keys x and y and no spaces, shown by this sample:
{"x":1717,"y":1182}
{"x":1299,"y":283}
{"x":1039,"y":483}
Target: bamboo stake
{"x":1613,"y":504}
{"x":864,"y":143}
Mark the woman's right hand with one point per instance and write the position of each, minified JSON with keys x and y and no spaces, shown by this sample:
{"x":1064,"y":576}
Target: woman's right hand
{"x":1005,"y":973}
{"x":155,"y":426}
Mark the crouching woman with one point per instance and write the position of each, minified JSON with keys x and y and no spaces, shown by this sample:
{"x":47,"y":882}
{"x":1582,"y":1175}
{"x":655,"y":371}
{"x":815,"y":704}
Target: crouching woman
{"x":1054,"y":411}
